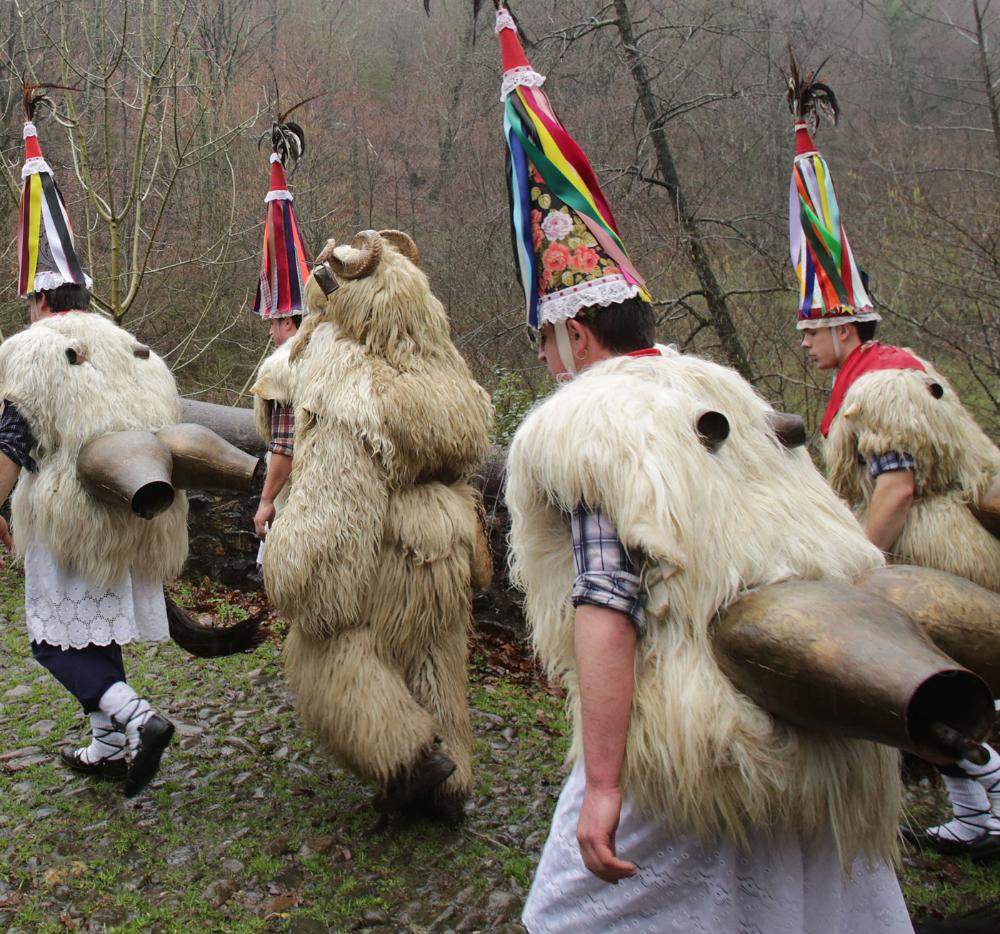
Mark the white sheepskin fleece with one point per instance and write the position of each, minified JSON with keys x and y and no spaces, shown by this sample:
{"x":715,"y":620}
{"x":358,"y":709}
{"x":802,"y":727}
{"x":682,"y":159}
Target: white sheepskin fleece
{"x":275,"y":383}
{"x":710,"y":526}
{"x":66,"y":405}
{"x":894,"y":410}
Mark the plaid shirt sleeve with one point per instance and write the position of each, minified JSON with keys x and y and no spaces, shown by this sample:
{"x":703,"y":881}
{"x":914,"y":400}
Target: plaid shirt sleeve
{"x":16,"y":439}
{"x":605,"y":574}
{"x":282,"y":429}
{"x":888,"y":462}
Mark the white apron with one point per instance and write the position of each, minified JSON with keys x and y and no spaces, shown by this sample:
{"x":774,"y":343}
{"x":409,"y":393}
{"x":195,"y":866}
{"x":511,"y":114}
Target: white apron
{"x":65,"y":610}
{"x":782,"y":884}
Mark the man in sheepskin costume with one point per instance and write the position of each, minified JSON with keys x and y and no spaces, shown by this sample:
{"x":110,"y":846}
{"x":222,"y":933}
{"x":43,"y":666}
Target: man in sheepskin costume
{"x":280,"y":300}
{"x":375,"y":554}
{"x":93,"y":575}
{"x":688,"y":807}
{"x":900,"y":447}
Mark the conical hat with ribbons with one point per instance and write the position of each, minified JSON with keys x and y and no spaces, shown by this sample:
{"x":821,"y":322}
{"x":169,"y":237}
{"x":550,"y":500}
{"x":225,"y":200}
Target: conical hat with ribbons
{"x":566,"y":244}
{"x":46,"y":253}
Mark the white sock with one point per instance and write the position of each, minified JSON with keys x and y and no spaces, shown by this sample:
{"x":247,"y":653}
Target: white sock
{"x":127,"y":710}
{"x":988,"y":776}
{"x":107,"y":743}
{"x":971,"y":808}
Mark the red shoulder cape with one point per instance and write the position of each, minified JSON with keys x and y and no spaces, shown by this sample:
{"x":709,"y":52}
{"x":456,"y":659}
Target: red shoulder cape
{"x":865,"y":359}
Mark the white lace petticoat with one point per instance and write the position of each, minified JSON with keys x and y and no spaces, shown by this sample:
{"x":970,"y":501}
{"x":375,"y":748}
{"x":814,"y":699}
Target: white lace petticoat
{"x":65,"y":610}
{"x":783,"y":883}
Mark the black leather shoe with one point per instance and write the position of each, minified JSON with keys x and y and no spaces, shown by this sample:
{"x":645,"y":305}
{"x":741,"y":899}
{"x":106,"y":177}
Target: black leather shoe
{"x":112,"y":769}
{"x":154,"y":737}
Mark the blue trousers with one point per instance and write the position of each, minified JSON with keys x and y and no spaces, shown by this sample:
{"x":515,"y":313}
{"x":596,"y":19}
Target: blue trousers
{"x":86,"y":673}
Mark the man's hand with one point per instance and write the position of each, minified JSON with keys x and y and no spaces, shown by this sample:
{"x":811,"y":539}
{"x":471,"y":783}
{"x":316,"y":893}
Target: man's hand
{"x":264,"y":514}
{"x":595,"y":832}
{"x":5,"y":538}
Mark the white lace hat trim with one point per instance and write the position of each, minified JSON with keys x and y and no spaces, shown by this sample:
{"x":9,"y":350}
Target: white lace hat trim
{"x":523,"y":75}
{"x":35,"y":166}
{"x":282,"y":194}
{"x":52,"y":280}
{"x":504,"y":21}
{"x":564,"y":304}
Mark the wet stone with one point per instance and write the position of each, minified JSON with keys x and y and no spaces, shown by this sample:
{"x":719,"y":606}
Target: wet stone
{"x":20,"y":753}
{"x":307,"y":926}
{"x":181,"y":856}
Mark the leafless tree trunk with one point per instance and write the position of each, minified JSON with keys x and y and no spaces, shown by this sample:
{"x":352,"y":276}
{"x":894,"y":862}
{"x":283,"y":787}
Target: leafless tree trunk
{"x":715,"y":298}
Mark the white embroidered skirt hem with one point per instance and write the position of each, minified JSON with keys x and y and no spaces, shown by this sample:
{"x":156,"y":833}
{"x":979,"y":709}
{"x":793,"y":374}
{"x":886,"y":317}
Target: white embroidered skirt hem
{"x":783,"y":883}
{"x":66,"y":610}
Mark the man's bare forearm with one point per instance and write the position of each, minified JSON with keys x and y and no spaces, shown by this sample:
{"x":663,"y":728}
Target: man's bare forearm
{"x":279,"y":469}
{"x":605,"y":656}
{"x":9,"y":472}
{"x":889,"y":508}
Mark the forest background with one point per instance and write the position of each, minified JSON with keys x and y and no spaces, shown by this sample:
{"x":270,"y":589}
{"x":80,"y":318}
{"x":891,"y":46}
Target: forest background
{"x":680,"y":106}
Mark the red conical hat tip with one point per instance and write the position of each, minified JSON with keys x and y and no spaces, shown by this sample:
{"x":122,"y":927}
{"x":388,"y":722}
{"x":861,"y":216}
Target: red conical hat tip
{"x":278,"y":182}
{"x":31,"y":148}
{"x":803,"y":141}
{"x":511,"y":53}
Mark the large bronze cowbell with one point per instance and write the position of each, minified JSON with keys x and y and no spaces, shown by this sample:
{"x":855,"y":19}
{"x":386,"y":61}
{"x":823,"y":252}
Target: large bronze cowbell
{"x":140,"y":470}
{"x":831,"y":657}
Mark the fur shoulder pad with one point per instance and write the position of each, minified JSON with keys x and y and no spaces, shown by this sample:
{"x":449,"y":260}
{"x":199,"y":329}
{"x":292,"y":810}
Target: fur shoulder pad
{"x":915,"y":413}
{"x":276,"y":377}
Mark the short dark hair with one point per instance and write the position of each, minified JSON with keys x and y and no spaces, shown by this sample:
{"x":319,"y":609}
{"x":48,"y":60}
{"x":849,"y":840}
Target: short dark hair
{"x":297,"y":321}
{"x":866,"y":330}
{"x":67,"y":297}
{"x":622,"y":327}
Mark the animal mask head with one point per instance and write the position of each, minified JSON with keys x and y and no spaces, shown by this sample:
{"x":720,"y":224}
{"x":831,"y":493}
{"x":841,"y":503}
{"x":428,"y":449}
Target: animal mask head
{"x":379,"y":297}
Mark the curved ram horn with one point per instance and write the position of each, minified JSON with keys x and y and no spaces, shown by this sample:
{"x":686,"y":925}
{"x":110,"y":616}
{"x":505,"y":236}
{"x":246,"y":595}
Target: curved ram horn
{"x":129,"y":469}
{"x":828,"y":656}
{"x":789,"y":429}
{"x":403,"y":242}
{"x":369,"y":244}
{"x":204,"y":460}
{"x":961,"y":618}
{"x":713,"y":429}
{"x":326,"y":252}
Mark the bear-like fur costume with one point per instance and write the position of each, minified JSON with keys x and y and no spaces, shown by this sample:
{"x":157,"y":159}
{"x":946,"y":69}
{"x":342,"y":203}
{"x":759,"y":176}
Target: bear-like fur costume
{"x":710,"y":526}
{"x":275,"y":383}
{"x":894,"y":410}
{"x":110,"y":388}
{"x":375,"y":554}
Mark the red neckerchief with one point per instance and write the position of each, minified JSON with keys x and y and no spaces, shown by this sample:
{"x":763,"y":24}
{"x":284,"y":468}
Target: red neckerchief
{"x":864,"y":359}
{"x":645,"y":352}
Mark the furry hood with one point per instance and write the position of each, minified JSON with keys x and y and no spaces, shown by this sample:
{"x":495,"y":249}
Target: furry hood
{"x":75,"y":377}
{"x":708,"y":526}
{"x":920,"y":414}
{"x":916,"y":413}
